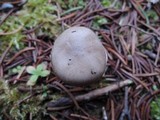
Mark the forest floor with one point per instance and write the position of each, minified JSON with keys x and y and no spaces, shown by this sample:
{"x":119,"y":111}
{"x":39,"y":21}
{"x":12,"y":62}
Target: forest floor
{"x":129,"y":31}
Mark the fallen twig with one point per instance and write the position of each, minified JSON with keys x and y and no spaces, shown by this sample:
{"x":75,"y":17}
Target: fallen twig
{"x":20,"y":52}
{"x":71,"y":96}
{"x":91,"y":95}
{"x":102,"y":91}
{"x":126,"y":109}
{"x":80,"y":117}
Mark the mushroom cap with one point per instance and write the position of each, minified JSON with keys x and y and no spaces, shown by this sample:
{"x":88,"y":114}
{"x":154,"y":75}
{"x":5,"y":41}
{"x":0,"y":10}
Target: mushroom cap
{"x":78,"y":57}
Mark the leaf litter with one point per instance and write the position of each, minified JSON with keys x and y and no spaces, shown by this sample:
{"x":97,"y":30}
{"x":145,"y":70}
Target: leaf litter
{"x":132,"y":40}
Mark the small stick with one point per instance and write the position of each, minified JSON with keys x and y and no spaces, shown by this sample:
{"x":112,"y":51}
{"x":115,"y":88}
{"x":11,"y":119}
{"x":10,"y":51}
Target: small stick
{"x":19,"y":74}
{"x":66,"y":17}
{"x":104,"y":113}
{"x":33,"y":29}
{"x":52,"y":117}
{"x":126,"y":109}
{"x":80,"y":117}
{"x":71,"y":96}
{"x":117,"y":54}
{"x":136,"y":6}
{"x":99,"y":92}
{"x":91,"y":95}
{"x":158,"y":54}
{"x":136,"y":78}
{"x":20,"y":52}
{"x":150,"y":27}
{"x":146,"y":74}
{"x":26,"y":98}
{"x":8,"y":14}
{"x":71,"y":10}
{"x":112,"y":111}
{"x":57,"y":108}
{"x":4,"y":54}
{"x":1,"y":72}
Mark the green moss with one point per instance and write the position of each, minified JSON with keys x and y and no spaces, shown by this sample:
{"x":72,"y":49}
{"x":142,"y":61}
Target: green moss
{"x":106,"y":3}
{"x":69,"y":4}
{"x":10,"y":98}
{"x":99,"y":21}
{"x":111,"y":3}
{"x":20,"y":112}
{"x":155,"y":109}
{"x":152,"y":15}
{"x":33,"y":13}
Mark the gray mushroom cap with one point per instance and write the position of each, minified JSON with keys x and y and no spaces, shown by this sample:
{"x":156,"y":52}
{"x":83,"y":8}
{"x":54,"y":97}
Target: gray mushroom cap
{"x":78,"y":57}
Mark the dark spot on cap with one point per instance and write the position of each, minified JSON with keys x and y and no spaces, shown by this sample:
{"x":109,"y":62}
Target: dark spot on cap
{"x":73,"y":31}
{"x":70,"y":59}
{"x":93,"y":72}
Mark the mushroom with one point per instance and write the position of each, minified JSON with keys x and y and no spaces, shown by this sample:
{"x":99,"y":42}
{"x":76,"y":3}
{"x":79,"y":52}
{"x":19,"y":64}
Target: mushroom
{"x":78,"y":57}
